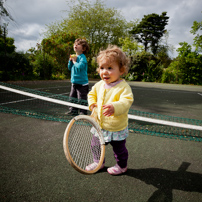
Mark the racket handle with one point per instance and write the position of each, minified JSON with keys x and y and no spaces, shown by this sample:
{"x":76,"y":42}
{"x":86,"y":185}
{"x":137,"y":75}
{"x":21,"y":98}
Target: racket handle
{"x":94,"y":113}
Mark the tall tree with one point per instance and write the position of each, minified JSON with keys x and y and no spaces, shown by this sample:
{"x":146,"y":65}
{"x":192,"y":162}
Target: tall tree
{"x":95,"y":22}
{"x":198,"y":38}
{"x":150,"y":30}
{"x":6,"y":43}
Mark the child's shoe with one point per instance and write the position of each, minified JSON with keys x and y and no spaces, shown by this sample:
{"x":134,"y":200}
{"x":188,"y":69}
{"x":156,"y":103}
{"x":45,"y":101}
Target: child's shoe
{"x":116,"y":170}
{"x":92,"y":166}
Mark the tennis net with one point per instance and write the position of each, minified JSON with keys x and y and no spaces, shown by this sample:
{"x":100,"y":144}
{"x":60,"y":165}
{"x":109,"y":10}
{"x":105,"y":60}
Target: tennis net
{"x":43,"y":105}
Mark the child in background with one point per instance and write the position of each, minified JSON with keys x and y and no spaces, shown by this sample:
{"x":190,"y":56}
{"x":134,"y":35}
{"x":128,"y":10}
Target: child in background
{"x":79,"y":77}
{"x":113,"y":97}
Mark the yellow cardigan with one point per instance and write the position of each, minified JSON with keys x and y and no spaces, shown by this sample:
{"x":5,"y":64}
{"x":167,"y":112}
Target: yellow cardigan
{"x":120,"y":96}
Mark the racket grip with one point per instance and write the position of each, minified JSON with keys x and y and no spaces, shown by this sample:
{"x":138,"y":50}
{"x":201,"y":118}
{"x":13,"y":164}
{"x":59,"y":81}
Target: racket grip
{"x":94,"y":113}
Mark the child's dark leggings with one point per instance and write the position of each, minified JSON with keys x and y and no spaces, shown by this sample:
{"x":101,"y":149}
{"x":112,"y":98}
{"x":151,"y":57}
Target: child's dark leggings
{"x":119,"y":148}
{"x":120,"y":152}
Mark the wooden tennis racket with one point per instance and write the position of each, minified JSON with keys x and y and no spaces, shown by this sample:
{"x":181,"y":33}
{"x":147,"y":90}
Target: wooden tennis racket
{"x":83,"y":143}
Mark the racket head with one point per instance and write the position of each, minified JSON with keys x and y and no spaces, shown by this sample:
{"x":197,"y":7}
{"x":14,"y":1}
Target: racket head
{"x":84,"y":144}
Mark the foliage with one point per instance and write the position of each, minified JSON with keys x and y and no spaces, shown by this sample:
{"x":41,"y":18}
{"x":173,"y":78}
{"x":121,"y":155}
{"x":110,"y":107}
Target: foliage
{"x":171,"y":74}
{"x":51,"y":57}
{"x":198,"y":38}
{"x":190,"y":64}
{"x":95,"y":22}
{"x":145,"y":67}
{"x":150,"y":30}
{"x":16,"y":66}
{"x":163,"y":56}
{"x":6,"y":43}
{"x":59,"y":47}
{"x":129,"y":46}
{"x":186,"y":69}
{"x":42,"y":66}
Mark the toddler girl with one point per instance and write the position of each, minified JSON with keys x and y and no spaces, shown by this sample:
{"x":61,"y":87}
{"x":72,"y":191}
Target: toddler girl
{"x":113,"y":97}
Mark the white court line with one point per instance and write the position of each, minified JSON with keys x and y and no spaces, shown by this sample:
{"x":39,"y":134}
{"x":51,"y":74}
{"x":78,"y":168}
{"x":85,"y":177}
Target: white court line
{"x":27,"y":99}
{"x":164,"y":90}
{"x":44,"y":98}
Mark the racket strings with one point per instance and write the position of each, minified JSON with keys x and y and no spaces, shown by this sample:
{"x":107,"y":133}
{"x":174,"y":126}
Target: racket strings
{"x":84,"y":144}
{"x":78,"y":150}
{"x":96,"y":148}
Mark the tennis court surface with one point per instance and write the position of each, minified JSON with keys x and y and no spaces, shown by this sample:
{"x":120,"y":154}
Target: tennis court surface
{"x":34,"y":167}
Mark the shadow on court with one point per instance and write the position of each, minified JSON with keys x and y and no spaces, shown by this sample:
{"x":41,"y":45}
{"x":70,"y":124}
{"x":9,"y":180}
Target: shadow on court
{"x":34,"y":168}
{"x":166,"y":181}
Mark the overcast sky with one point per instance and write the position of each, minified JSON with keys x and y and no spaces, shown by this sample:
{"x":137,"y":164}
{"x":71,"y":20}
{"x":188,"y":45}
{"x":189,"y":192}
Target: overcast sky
{"x":31,"y":16}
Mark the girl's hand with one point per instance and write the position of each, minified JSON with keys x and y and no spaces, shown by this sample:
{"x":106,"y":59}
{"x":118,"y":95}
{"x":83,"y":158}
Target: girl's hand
{"x":108,"y":109}
{"x":92,"y":106}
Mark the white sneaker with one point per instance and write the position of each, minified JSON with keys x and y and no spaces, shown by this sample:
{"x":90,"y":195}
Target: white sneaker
{"x":116,"y":170}
{"x":93,"y":166}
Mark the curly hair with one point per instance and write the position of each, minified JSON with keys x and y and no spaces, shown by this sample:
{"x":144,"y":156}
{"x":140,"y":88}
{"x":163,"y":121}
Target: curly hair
{"x":114,"y":54}
{"x":84,"y":44}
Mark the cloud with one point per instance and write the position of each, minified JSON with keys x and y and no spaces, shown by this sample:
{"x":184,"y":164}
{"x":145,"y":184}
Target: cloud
{"x":27,"y":36}
{"x":36,"y":11}
{"x":181,"y":21}
{"x":33,"y":16}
